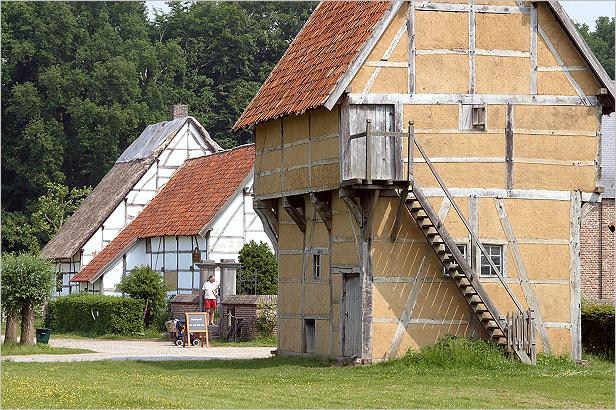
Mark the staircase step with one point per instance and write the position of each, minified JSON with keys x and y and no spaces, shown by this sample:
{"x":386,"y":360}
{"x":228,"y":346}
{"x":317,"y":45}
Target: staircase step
{"x":469,"y":291}
{"x":474,"y":300}
{"x":429,"y":231}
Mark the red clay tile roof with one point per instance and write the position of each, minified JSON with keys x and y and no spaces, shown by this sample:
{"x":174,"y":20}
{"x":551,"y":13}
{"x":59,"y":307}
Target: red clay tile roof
{"x":318,"y":57}
{"x":191,"y":198}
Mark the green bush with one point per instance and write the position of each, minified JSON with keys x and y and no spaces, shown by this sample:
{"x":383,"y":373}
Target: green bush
{"x":96,"y":314}
{"x":258,"y":261}
{"x":598,"y":328}
{"x":144,"y":283}
{"x":266,"y":319}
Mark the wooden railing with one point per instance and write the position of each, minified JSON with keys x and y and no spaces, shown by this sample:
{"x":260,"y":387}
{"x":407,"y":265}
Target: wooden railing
{"x":521,"y":333}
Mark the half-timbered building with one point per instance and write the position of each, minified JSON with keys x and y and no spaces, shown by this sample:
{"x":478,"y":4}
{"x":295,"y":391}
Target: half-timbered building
{"x":421,"y":166}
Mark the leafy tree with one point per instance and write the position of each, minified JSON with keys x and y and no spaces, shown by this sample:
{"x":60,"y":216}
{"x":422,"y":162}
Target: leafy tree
{"x":80,"y":81}
{"x":144,"y":283}
{"x":27,"y":282}
{"x":47,"y":214}
{"x":601,"y":41}
{"x":258,"y":263}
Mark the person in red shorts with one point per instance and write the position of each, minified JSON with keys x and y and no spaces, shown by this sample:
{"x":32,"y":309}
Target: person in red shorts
{"x":210,"y":289}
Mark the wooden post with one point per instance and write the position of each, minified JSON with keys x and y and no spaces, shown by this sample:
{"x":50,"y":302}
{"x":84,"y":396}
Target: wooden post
{"x":411,"y":143}
{"x":368,"y":152}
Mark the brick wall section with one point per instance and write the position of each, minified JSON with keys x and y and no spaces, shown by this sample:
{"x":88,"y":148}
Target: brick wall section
{"x":597,"y":251}
{"x":244,"y":307}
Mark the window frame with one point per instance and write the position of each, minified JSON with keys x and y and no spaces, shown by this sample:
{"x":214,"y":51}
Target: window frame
{"x":480,"y":265}
{"x":316,"y":266}
{"x":467,"y":118}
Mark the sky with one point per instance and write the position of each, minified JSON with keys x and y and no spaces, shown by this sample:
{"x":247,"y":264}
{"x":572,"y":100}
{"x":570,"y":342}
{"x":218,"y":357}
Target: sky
{"x":580,"y":11}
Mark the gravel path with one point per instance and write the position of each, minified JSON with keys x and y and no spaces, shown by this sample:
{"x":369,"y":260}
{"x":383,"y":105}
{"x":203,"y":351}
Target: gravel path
{"x":150,"y":350}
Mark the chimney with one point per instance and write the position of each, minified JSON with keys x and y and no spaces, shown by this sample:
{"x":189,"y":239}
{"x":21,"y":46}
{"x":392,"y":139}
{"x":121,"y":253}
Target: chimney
{"x":178,"y":111}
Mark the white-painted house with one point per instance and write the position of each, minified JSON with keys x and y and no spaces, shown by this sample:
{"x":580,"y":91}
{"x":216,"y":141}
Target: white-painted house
{"x":205,"y":208}
{"x":136,"y":177}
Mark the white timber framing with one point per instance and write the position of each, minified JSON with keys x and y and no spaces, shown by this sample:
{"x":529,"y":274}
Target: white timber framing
{"x":533,"y":48}
{"x":390,"y":49}
{"x":409,"y":306}
{"x":410,"y":29}
{"x":471,"y":47}
{"x":393,"y":98}
{"x":575,"y":275}
{"x":560,"y":62}
{"x":529,"y":294}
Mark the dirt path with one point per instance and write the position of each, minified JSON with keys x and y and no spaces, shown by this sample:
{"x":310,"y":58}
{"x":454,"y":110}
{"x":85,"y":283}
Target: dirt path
{"x":151,"y":350}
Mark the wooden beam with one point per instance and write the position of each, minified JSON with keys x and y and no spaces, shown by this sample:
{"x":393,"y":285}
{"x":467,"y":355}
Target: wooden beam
{"x":462,"y":8}
{"x":369,"y":200}
{"x":471,"y":47}
{"x":529,"y":294}
{"x":456,"y":99}
{"x":296,"y":211}
{"x":560,"y":62}
{"x":533,"y":48}
{"x":322,"y":202}
{"x":575,"y":275}
{"x":267,"y":210}
{"x":410,"y":30}
{"x":399,"y":212}
{"x":509,"y":145}
{"x":349,"y":196}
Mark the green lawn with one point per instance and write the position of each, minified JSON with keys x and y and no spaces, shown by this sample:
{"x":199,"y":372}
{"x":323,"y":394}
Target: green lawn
{"x":294,"y":383}
{"x":16,"y":349}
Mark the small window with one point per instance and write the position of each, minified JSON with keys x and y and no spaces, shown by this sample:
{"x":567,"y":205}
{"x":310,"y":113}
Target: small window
{"x":316,"y":266}
{"x":473,"y":117}
{"x":309,"y":332}
{"x":148,"y":245}
{"x":495,"y":253}
{"x":479,"y":117}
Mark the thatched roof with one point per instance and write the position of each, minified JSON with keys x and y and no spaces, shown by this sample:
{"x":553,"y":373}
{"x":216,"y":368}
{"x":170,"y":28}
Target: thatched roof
{"x":126,"y":172}
{"x":95,"y":209}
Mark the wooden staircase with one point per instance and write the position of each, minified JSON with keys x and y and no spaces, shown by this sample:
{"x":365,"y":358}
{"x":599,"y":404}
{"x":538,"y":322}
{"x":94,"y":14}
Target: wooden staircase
{"x":461,"y":273}
{"x":514,"y":332}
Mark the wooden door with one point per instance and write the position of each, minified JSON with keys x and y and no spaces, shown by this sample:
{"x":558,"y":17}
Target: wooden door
{"x":383,"y":148}
{"x":351,"y":312}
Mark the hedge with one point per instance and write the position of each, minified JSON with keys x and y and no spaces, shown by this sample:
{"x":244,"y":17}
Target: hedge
{"x":598,"y":328}
{"x":95,"y":314}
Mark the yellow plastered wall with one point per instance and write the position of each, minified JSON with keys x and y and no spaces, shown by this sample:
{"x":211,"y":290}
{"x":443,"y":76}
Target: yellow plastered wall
{"x":303,"y":148}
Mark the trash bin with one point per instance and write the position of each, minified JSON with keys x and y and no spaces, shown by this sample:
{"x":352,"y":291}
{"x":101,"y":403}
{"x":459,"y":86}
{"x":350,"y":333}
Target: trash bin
{"x":42,"y":335}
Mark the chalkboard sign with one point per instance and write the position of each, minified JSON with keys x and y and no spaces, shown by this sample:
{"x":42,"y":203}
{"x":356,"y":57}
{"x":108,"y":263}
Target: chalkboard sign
{"x":196,"y":322}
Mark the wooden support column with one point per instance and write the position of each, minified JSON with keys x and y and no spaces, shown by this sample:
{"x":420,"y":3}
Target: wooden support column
{"x":533,"y":48}
{"x":322,"y":202}
{"x":410,"y":30}
{"x":349,"y":197}
{"x":295,"y":207}
{"x":368,"y":201}
{"x":574,"y":274}
{"x":509,"y":145}
{"x":471,"y":47}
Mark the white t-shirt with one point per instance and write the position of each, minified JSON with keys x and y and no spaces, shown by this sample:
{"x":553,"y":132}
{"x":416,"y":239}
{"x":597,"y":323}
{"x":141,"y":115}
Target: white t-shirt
{"x":209,"y":289}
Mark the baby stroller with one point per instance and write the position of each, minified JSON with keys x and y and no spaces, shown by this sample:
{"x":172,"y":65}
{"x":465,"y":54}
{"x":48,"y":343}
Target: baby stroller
{"x":176,"y":328}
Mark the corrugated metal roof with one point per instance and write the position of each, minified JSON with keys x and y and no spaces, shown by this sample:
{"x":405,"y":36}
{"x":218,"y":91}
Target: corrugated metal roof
{"x":151,"y":138}
{"x":316,"y":59}
{"x":192,"y":197}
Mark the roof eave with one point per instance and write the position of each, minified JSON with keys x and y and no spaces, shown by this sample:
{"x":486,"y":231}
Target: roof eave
{"x":587,"y":53}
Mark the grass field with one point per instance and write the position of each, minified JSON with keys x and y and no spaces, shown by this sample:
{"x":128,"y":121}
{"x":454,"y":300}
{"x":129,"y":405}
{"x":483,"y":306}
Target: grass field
{"x":435,"y":378}
{"x":16,"y":349}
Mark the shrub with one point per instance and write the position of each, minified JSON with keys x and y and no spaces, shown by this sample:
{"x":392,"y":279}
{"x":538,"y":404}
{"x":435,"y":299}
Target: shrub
{"x":452,"y":351}
{"x":598,"y":328}
{"x":96,"y":314}
{"x":258,"y":261}
{"x":266,"y":319}
{"x":145,"y":284}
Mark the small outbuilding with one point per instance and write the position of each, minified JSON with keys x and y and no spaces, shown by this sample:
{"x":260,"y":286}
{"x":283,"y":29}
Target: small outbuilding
{"x":246,"y":309}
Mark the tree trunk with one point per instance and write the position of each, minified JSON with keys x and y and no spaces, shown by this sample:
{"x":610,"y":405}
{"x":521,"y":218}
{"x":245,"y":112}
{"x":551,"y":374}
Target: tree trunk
{"x":12,"y":321}
{"x":28,"y":336}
